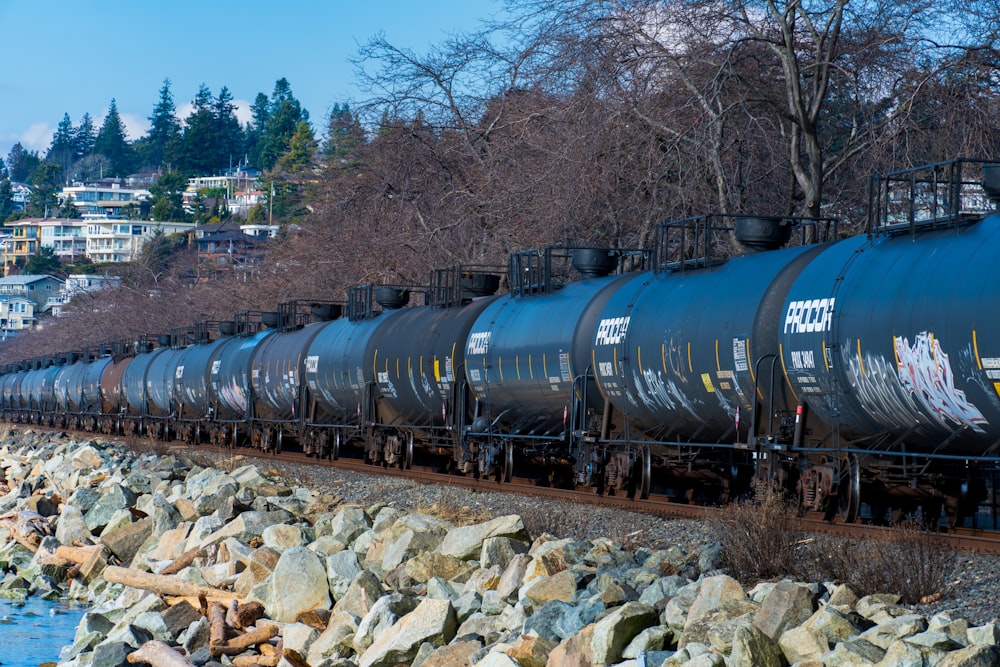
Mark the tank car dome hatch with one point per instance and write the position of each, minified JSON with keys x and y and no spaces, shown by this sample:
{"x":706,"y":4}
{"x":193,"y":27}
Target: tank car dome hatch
{"x":757,"y":233}
{"x":163,"y":340}
{"x":326,"y":312}
{"x":269,"y":318}
{"x":227,"y":328}
{"x":476,"y":284}
{"x":392,"y":298}
{"x":991,"y":182}
{"x":594,"y":262}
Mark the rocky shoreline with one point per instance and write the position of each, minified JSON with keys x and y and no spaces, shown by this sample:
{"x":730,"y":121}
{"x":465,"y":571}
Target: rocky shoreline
{"x":182,"y":564}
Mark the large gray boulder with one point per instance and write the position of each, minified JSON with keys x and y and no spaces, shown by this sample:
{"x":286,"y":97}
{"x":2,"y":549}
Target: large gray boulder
{"x":467,"y":541}
{"x":432,"y":621}
{"x":297,"y":584}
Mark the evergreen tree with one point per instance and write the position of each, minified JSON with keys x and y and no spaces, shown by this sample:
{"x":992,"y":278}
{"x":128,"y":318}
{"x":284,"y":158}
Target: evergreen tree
{"x":163,"y":138}
{"x":228,"y":145}
{"x":260,"y":110}
{"x":21,"y":162}
{"x":6,"y":199}
{"x":284,"y":116}
{"x":44,"y":262}
{"x":62,"y":150}
{"x":3,"y":168}
{"x":43,"y":199}
{"x":84,"y":137}
{"x":344,"y":135}
{"x":167,"y":197}
{"x":112,"y":144}
{"x":301,"y":150}
{"x":197,"y":147}
{"x":67,"y":209}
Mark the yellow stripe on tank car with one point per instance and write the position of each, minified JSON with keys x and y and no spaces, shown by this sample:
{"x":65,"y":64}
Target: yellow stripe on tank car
{"x":826,"y":361}
{"x":784,"y":371}
{"x":545,"y":366}
{"x":499,"y":367}
{"x":638,"y":357}
{"x":690,"y":367}
{"x":930,"y":337}
{"x":718,"y":366}
{"x":531,"y":370}
{"x":663,"y":356}
{"x":517,"y":365}
{"x":860,"y":359}
{"x":975,"y":349}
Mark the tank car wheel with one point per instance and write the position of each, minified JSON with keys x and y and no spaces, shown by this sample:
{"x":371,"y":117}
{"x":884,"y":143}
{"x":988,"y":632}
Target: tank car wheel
{"x":505,"y":471}
{"x":279,"y":440}
{"x":406,"y":460}
{"x":642,"y":470}
{"x":849,"y":489}
{"x":334,"y":453}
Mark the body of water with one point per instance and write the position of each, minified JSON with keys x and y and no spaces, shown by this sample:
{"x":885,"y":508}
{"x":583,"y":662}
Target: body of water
{"x":34,"y":632}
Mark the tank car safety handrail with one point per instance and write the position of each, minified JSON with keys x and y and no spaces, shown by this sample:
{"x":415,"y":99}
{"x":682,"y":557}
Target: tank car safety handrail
{"x":709,"y":240}
{"x":939,"y":195}
{"x":459,"y":284}
{"x":362,"y":299}
{"x":543,"y":271}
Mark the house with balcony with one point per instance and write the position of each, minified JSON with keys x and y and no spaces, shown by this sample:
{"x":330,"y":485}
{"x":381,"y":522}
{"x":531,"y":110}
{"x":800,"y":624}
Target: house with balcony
{"x":22,"y":244}
{"x":77,"y":284}
{"x":36,"y":288}
{"x":17,"y":313}
{"x":108,"y":198}
{"x":67,"y":238}
{"x":239,"y":184}
{"x":122,"y":240}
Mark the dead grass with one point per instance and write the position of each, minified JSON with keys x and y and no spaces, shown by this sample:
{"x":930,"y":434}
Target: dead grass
{"x":910,"y":562}
{"x":455,"y":512}
{"x":757,"y":538}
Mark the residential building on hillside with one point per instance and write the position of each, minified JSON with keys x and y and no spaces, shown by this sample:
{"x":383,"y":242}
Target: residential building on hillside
{"x":224,"y":246}
{"x":36,"y":288}
{"x":122,"y":240}
{"x":76,"y":284}
{"x":240,"y":185}
{"x":67,"y":238}
{"x":22,"y":244}
{"x":108,"y":198}
{"x":17,"y":313}
{"x":20,"y":195}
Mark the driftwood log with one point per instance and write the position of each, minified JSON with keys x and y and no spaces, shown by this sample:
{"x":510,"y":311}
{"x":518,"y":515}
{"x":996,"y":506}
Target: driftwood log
{"x":27,"y":528}
{"x":162,"y":585}
{"x":241,"y":643}
{"x":158,"y":654}
{"x":182,"y":562}
{"x":256,"y":660}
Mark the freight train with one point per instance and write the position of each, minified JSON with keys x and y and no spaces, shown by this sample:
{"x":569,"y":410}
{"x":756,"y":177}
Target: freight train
{"x":738,"y":353}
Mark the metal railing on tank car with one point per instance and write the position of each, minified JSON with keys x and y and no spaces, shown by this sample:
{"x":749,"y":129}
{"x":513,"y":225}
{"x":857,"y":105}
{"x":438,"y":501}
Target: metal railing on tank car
{"x":933,"y":196}
{"x":709,"y":240}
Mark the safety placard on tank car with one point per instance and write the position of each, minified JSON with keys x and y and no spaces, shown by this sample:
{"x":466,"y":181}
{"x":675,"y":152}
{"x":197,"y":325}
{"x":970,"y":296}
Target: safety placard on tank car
{"x":179,"y":372}
{"x":740,"y":355}
{"x":215,"y":366}
{"x":707,"y":379}
{"x":312,"y":363}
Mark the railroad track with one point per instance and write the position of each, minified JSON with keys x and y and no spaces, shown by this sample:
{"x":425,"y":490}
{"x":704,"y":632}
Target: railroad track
{"x":960,"y":539}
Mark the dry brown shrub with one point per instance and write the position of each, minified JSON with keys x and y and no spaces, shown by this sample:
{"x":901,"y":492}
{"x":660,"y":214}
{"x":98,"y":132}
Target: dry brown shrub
{"x":757,"y":538}
{"x":454,"y":512}
{"x":910,"y":561}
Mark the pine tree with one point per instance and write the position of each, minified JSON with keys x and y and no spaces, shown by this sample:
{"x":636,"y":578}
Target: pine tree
{"x":228,"y":133}
{"x":21,"y":162}
{"x":197,"y":147}
{"x":284,"y":116}
{"x":62,"y":150}
{"x":111,"y":142}
{"x":164,"y":135}
{"x":84,"y":137}
{"x":301,"y":150}
{"x":260,"y":110}
{"x":344,"y":135}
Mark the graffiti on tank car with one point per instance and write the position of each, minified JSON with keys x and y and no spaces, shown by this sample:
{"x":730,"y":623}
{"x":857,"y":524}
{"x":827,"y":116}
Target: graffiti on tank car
{"x":925,"y":371}
{"x":809,"y":316}
{"x":612,"y":330}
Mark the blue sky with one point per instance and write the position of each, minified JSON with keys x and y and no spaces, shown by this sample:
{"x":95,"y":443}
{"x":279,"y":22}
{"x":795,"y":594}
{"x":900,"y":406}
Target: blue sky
{"x":74,"y":56}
